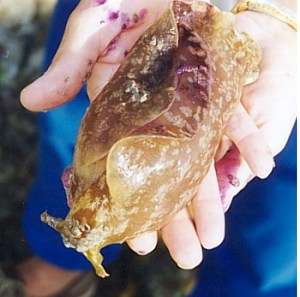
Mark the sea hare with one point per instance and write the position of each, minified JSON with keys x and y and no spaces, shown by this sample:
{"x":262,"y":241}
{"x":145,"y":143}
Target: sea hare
{"x":149,"y":138}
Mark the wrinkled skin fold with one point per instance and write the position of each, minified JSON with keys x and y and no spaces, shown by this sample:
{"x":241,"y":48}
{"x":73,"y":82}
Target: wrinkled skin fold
{"x":149,"y":138}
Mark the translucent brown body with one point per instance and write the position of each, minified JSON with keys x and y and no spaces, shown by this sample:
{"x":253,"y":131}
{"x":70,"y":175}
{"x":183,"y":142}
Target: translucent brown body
{"x":149,"y":138}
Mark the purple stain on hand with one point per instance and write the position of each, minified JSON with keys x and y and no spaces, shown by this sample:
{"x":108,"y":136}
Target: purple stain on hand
{"x":139,"y":16}
{"x":113,"y":15}
{"x":125,"y":21}
{"x":100,"y":2}
{"x":135,"y":18}
{"x":112,"y":45}
{"x":143,"y":12}
{"x":233,"y":180}
{"x":226,"y":170}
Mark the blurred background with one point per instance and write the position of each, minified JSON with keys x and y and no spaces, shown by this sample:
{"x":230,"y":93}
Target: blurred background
{"x":23,"y":31}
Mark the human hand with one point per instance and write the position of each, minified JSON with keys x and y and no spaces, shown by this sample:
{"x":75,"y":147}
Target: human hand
{"x":84,"y":42}
{"x":258,"y":130}
{"x":262,"y":124}
{"x":83,"y":55}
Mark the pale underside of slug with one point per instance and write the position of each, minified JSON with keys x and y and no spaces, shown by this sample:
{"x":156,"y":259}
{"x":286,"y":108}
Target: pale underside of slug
{"x":149,"y":138}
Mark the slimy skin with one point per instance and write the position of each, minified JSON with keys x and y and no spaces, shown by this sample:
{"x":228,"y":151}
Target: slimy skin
{"x":149,"y":138}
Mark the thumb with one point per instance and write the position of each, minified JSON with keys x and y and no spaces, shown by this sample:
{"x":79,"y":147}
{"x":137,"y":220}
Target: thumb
{"x":85,"y":36}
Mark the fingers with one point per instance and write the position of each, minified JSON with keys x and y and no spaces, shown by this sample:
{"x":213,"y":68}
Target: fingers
{"x":275,"y":110}
{"x":90,"y":29}
{"x":182,"y":241}
{"x":143,"y":244}
{"x":233,"y":174}
{"x":208,"y":212}
{"x":242,"y":130}
{"x":83,"y":40}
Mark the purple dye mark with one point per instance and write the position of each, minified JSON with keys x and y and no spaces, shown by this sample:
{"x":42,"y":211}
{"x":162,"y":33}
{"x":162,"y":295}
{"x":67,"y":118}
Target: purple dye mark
{"x":190,"y":69}
{"x":233,"y":180}
{"x":111,"y":46}
{"x":100,"y":2}
{"x":113,"y":15}
{"x":143,"y":12}
{"x":186,"y":69}
{"x":125,"y":21}
{"x":226,"y":170}
{"x":65,"y":178}
{"x":135,"y":18}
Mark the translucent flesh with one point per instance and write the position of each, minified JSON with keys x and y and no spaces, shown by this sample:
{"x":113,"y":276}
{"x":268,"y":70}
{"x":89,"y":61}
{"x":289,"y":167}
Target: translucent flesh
{"x":149,"y":138}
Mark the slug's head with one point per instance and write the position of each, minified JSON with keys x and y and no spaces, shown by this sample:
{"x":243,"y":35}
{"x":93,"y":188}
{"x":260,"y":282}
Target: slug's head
{"x":89,"y":210}
{"x":70,"y":229}
{"x":80,"y":237}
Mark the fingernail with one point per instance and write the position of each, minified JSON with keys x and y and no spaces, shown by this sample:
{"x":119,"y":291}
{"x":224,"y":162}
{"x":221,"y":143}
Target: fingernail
{"x":189,"y":262}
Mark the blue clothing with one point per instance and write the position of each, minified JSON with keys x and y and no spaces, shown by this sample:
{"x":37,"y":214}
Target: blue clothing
{"x":258,"y":258}
{"x":57,"y":134}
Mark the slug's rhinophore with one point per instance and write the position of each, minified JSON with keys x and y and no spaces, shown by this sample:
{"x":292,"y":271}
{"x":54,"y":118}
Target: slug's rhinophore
{"x":149,"y":138}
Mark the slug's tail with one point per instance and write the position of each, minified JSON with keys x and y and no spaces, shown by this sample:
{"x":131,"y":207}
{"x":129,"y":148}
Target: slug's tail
{"x":96,"y":259}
